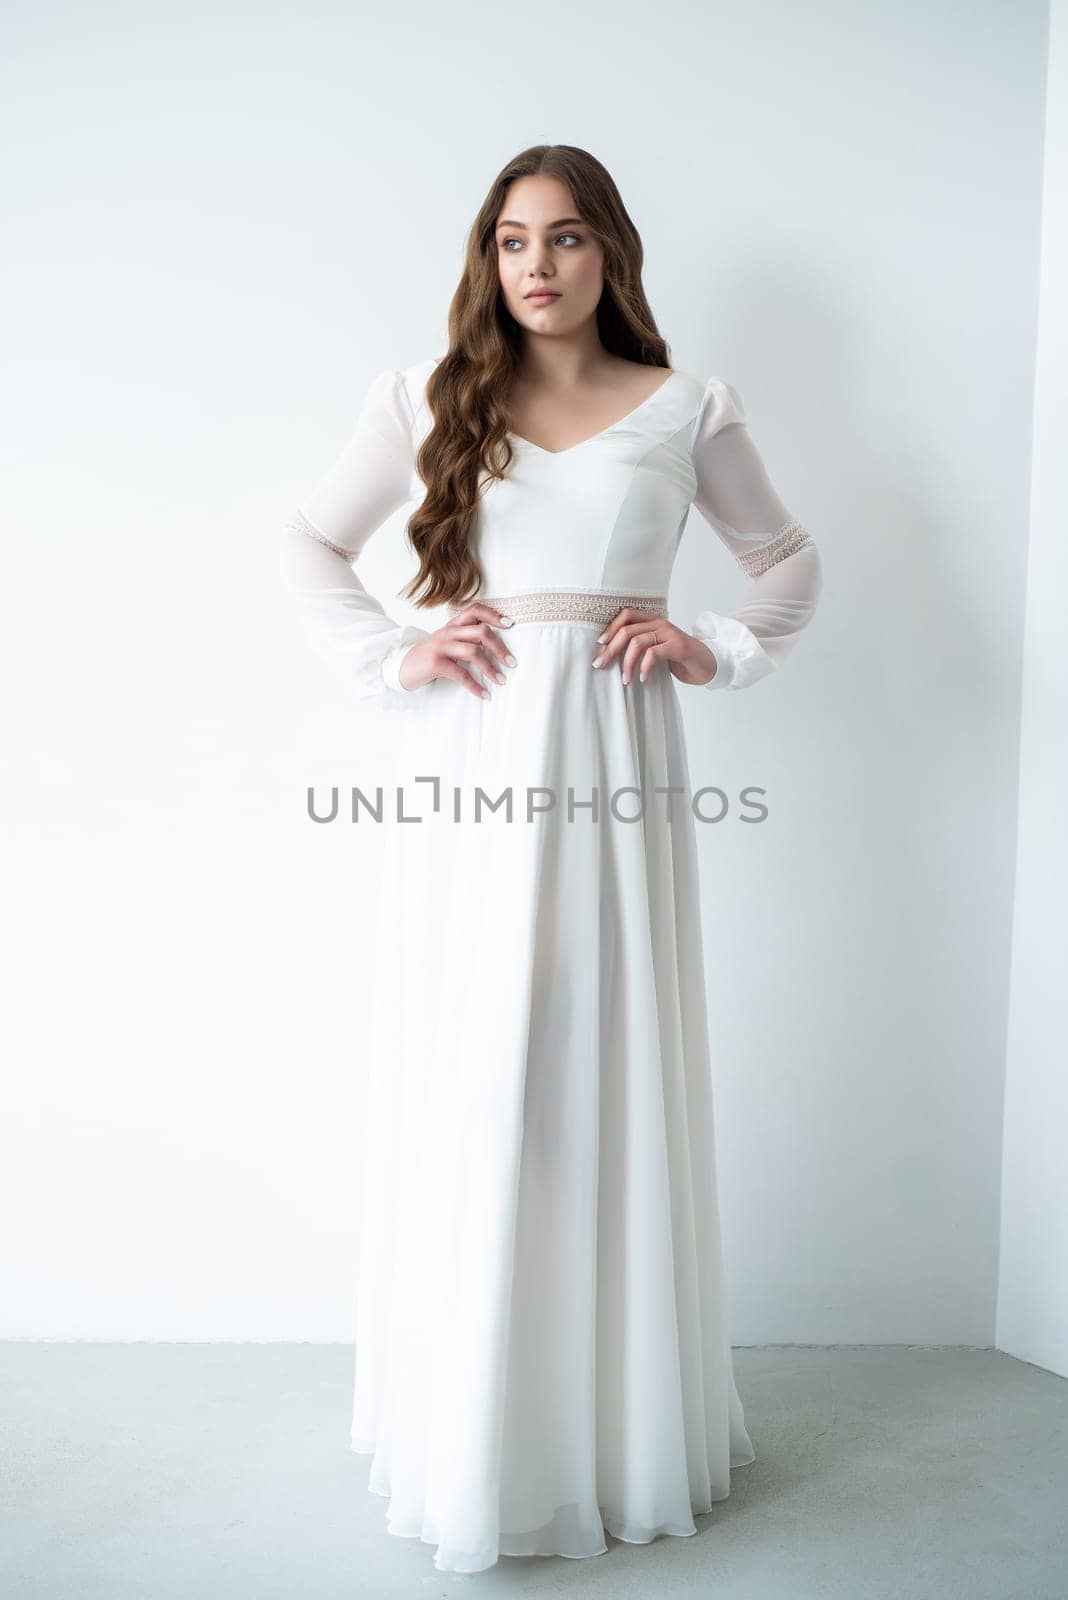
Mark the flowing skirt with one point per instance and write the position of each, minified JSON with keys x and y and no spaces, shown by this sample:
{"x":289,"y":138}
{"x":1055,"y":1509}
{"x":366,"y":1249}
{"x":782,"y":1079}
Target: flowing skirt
{"x":542,"y":1351}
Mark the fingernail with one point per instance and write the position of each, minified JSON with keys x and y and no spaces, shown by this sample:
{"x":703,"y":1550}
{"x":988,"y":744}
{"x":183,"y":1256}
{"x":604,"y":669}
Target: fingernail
{"x":506,"y":620}
{"x":510,"y":660}
{"x":485,"y":694}
{"x":597,"y":660}
{"x":625,"y":678}
{"x":601,"y":637}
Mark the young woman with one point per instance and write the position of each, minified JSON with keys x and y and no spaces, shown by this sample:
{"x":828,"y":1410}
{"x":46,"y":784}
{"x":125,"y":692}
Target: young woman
{"x":542,"y":1353}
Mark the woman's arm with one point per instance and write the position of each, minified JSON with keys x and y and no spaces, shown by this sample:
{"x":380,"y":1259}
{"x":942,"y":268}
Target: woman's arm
{"x":346,"y":626}
{"x":782,"y":561}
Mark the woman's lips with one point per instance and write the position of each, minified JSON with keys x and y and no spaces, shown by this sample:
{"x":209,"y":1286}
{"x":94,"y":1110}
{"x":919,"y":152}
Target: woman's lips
{"x":542,"y":299}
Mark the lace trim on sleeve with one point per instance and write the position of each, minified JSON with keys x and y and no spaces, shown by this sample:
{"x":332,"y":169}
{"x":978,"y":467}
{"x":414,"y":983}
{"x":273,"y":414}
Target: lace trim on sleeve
{"x":299,"y":523}
{"x":786,"y":542}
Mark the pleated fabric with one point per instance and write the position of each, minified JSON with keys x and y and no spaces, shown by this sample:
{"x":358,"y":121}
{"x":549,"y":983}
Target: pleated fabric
{"x":542,"y":1349}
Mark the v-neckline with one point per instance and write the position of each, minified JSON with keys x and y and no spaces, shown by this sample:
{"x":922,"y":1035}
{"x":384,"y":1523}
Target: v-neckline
{"x":612,"y":426}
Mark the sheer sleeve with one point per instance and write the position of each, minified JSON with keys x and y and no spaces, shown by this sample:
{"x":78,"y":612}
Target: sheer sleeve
{"x":345,"y":625}
{"x":781,"y":560}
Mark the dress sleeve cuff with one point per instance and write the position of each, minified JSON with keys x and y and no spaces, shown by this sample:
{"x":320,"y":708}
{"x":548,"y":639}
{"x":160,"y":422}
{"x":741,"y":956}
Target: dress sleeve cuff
{"x":391,"y":662}
{"x":741,"y":659}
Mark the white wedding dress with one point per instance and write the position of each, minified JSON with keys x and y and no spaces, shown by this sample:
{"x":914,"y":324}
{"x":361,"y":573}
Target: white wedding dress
{"x":542,"y":1350}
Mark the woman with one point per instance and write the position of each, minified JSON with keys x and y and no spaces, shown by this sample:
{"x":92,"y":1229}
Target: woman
{"x":542,"y":1353}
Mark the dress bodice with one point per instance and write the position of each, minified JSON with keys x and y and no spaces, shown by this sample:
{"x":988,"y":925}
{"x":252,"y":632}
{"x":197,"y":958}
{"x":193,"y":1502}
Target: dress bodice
{"x":606,"y":513}
{"x":604,"y":517}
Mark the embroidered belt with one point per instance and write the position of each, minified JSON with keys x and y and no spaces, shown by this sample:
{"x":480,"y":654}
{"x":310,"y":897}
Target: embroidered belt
{"x":595,"y":607}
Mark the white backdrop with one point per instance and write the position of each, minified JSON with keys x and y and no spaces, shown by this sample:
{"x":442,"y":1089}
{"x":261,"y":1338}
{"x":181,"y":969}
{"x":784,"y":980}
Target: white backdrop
{"x":1033,"y":1263}
{"x":220,"y":226}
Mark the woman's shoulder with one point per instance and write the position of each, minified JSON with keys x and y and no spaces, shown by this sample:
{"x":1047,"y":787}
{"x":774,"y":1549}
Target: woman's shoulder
{"x":700,"y":400}
{"x":718,"y":403}
{"x":414,"y":380}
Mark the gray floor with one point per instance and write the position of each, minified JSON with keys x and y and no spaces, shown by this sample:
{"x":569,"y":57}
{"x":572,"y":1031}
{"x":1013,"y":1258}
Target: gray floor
{"x":152,"y":1471}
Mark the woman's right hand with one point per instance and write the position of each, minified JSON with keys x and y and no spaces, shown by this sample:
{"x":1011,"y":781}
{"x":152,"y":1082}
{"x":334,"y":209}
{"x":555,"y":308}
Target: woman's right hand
{"x":468,"y":637}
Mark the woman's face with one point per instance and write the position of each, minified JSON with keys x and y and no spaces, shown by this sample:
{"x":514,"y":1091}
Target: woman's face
{"x":543,"y":245}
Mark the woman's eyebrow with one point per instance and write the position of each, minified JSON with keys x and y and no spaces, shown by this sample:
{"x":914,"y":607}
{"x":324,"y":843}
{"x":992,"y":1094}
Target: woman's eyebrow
{"x":557,"y":224}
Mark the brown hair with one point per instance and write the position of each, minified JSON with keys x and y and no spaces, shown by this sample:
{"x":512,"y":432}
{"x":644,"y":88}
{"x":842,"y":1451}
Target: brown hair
{"x":469,"y":435}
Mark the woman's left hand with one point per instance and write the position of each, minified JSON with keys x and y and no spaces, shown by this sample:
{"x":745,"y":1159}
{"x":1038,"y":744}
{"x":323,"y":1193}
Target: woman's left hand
{"x":639,"y":640}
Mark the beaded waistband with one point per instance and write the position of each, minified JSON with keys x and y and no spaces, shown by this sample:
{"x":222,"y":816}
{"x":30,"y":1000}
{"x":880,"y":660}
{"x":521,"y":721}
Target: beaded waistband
{"x":593,"y":606}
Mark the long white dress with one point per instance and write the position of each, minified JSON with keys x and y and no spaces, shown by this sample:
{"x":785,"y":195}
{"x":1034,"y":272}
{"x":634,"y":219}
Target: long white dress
{"x":542,"y":1351}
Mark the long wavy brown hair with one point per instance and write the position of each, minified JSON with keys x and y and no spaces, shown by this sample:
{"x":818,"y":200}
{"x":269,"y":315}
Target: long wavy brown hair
{"x":468,"y":445}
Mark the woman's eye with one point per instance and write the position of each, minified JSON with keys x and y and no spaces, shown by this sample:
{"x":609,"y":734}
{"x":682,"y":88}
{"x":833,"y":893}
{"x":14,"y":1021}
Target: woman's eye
{"x":506,"y":242}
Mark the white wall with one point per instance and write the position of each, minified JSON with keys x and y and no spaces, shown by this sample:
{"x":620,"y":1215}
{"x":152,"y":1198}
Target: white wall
{"x":1032,"y":1308}
{"x":219,"y":229}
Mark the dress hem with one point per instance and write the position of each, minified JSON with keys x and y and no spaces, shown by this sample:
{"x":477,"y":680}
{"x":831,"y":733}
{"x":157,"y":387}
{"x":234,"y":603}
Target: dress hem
{"x":486,"y":1559}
